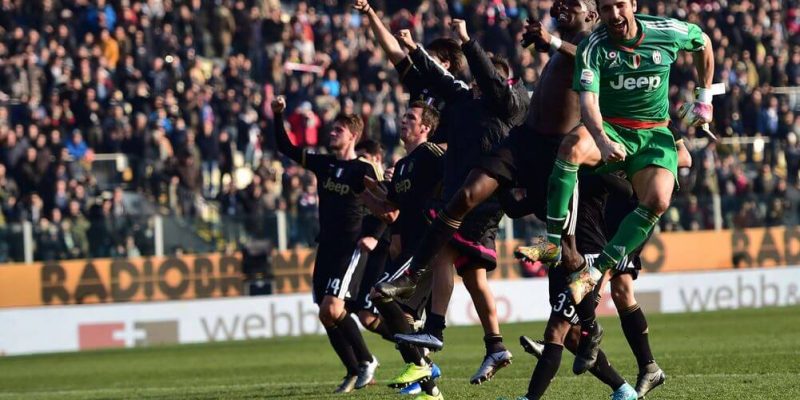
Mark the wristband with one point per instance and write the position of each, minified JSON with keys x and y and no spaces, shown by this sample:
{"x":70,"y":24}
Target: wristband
{"x":704,"y":95}
{"x":555,"y":43}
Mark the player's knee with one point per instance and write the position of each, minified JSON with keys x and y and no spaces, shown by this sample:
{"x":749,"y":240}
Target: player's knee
{"x":367,"y":319}
{"x":555,"y":331}
{"x":330,"y":313}
{"x":622,"y":293}
{"x":466,"y":198}
{"x":657,"y":204}
{"x":572,"y":149}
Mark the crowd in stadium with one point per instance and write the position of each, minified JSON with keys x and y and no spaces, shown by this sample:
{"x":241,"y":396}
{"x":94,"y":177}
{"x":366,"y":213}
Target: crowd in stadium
{"x":183,"y":89}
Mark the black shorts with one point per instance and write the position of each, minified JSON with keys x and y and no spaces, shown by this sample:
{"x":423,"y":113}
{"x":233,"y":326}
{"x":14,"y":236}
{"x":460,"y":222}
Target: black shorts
{"x":560,"y":299}
{"x":338,"y":270}
{"x":524,"y":159}
{"x":374,"y":272}
{"x":475,"y":239}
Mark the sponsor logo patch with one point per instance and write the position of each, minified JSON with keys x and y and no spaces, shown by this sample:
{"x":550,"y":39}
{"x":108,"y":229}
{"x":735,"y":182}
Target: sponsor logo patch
{"x":587,"y":76}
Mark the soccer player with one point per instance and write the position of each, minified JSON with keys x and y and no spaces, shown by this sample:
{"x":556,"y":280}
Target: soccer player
{"x":604,"y":200}
{"x":622,"y":75}
{"x":415,"y":183}
{"x":432,"y":74}
{"x":340,"y":178}
{"x":525,"y":158}
{"x":482,"y":118}
{"x":375,"y":241}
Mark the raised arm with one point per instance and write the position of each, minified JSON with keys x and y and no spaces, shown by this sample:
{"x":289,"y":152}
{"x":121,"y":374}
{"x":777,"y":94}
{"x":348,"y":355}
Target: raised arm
{"x":537,"y":36}
{"x":705,"y":64}
{"x":282,"y":140}
{"x":440,"y":80}
{"x":493,"y":86}
{"x":385,"y":39}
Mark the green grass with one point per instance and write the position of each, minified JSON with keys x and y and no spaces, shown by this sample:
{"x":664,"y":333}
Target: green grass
{"x":746,"y":354}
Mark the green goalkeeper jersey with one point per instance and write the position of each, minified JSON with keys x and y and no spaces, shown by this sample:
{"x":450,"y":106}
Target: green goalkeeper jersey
{"x":632,"y":78}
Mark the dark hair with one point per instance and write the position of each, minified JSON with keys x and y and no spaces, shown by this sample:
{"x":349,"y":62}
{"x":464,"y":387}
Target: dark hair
{"x":353,"y":122}
{"x":502,"y":65}
{"x":370,"y":147}
{"x":430,"y":116}
{"x":447,"y":49}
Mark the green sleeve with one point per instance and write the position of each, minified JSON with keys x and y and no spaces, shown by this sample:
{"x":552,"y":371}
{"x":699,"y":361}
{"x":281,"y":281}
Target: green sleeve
{"x":586,"y":77}
{"x":688,"y":37}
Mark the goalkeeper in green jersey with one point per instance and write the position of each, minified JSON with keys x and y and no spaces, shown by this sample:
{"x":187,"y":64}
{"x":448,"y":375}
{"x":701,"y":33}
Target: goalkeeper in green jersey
{"x":622,"y":76}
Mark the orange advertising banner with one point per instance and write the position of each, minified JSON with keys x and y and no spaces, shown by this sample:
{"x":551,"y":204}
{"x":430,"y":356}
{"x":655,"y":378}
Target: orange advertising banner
{"x":120,"y":280}
{"x":705,"y":250}
{"x":204,"y":276}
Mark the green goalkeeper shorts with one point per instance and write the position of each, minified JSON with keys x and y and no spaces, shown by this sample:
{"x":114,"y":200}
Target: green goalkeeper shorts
{"x":644,"y":147}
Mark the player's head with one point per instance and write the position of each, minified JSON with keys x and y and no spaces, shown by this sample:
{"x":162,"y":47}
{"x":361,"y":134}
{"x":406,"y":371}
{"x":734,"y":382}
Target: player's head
{"x":575,"y":15}
{"x":370,"y":150}
{"x":447,"y":52}
{"x":346,"y":131}
{"x":618,"y":17}
{"x":418,"y":123}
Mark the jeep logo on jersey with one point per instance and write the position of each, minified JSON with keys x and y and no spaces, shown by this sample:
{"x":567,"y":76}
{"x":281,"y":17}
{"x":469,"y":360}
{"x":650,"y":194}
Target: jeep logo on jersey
{"x":649,"y":83}
{"x":402,"y":186}
{"x":340,"y":188}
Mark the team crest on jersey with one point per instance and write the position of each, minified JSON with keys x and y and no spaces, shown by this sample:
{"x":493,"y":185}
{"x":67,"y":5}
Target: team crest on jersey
{"x":612,"y":55}
{"x":339,"y":172}
{"x":637,"y":60}
{"x":587,"y":76}
{"x":657,"y":57}
{"x":410,"y":166}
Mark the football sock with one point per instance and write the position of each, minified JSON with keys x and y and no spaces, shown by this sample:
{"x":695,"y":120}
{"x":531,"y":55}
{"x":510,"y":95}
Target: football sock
{"x":559,"y":190}
{"x":494,"y":343}
{"x":381,"y":329}
{"x":435,"y":325}
{"x":394,"y":319}
{"x":353,"y":336}
{"x":343,"y":349}
{"x":634,"y":325}
{"x":603,"y":370}
{"x":545,"y":371}
{"x":436,"y":237}
{"x":429,"y":386}
{"x":633,"y":231}
{"x":586,"y":311}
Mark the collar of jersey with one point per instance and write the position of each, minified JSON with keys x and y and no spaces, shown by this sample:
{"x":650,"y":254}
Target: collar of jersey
{"x":631,"y":45}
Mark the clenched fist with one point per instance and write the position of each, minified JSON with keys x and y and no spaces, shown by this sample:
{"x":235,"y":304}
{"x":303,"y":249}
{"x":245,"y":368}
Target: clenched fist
{"x":362,"y":6}
{"x":405,"y":39}
{"x":459,"y":27}
{"x":279,"y":104}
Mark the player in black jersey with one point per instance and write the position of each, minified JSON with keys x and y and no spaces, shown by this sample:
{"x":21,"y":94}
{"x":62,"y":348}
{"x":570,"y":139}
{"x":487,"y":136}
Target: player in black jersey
{"x":480,"y":118}
{"x":470,"y":126}
{"x":340,"y":177}
{"x":375,"y":241}
{"x":445,"y":51}
{"x":415,"y":182}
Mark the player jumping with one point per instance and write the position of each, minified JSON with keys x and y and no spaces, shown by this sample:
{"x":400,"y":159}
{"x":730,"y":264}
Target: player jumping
{"x":622,"y":75}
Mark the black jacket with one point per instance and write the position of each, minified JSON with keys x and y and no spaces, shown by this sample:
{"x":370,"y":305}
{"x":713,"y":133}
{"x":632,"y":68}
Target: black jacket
{"x":475,"y":125}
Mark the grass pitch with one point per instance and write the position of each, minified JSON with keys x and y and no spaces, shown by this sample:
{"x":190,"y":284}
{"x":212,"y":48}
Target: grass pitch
{"x":745,"y":354}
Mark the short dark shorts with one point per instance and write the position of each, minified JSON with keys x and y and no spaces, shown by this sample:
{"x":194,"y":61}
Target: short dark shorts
{"x":338,"y":270}
{"x":524,"y":159}
{"x":475,"y":239}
